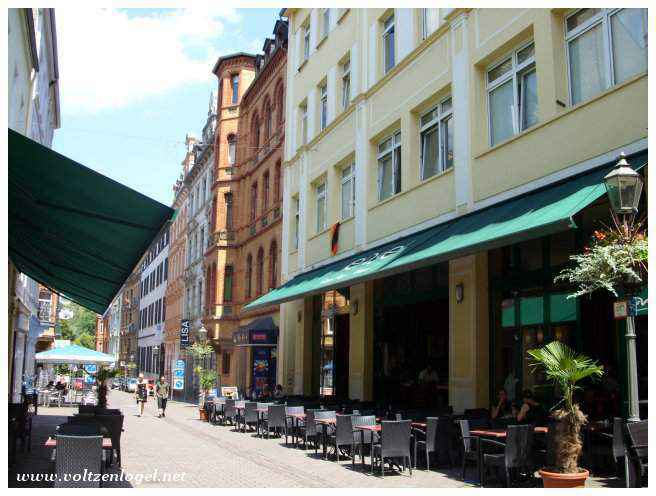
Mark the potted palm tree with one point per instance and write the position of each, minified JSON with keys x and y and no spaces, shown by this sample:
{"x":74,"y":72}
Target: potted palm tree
{"x":565,"y":367}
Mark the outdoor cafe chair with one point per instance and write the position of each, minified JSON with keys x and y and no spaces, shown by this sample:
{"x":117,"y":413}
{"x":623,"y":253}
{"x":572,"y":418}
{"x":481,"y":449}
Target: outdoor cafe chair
{"x":251,"y":418}
{"x":636,"y":452}
{"x":362,"y":438}
{"x":343,"y":437}
{"x":77,"y":454}
{"x":291,"y":422}
{"x":470,"y":447}
{"x":516,"y":453}
{"x":55,"y":396}
{"x":114,"y":426}
{"x":229,"y":412}
{"x":426,"y":440}
{"x":308,"y":429}
{"x":23,"y":425}
{"x":328,"y":429}
{"x":394,"y":443}
{"x":276,"y":419}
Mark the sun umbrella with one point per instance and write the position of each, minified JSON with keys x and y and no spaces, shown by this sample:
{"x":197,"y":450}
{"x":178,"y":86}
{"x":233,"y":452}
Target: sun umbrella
{"x":74,"y":354}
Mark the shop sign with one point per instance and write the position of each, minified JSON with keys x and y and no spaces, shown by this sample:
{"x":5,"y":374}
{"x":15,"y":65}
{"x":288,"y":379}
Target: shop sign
{"x":620,"y":309}
{"x":184,"y":334}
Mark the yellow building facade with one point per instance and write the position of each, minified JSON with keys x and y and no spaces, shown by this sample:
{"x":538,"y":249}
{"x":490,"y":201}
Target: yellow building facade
{"x":402,"y":120}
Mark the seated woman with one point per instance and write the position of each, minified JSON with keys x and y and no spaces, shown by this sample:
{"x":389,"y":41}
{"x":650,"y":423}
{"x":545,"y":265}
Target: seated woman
{"x":503,"y":407}
{"x":531,"y":411}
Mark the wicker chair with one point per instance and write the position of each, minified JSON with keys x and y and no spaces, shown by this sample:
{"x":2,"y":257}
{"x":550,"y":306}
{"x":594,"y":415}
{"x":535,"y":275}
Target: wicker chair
{"x":426,"y":440}
{"x":75,"y":455}
{"x":251,"y":418}
{"x":229,"y":412}
{"x":291,"y":422}
{"x":308,"y":429}
{"x":343,"y":436}
{"x":319,"y":415}
{"x":394,"y":443}
{"x":363,"y":438}
{"x":276,"y":420}
{"x":114,"y":426}
{"x":516,"y":455}
{"x":470,"y":447}
{"x":636,"y":434}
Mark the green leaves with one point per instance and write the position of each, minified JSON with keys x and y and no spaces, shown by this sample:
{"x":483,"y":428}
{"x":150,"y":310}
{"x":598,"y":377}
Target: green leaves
{"x":200,"y":350}
{"x":565,"y":367}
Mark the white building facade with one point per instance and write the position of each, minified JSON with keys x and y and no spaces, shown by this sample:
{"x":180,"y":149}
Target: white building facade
{"x":152,"y":306}
{"x":33,"y":110}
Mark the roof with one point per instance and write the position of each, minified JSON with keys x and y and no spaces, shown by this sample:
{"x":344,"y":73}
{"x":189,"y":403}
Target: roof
{"x":231,"y":56}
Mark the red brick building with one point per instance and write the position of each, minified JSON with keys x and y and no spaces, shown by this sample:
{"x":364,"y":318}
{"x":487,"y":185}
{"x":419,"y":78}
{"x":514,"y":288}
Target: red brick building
{"x":244,"y":260}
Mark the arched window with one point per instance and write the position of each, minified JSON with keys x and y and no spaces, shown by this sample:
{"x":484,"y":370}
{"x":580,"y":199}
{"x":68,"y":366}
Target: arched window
{"x":280,"y":95}
{"x":273,"y":264}
{"x":276,"y":182}
{"x":232,"y":149}
{"x":256,"y":133}
{"x":268,"y":122}
{"x":249,"y":275}
{"x":265,"y":191}
{"x":260,"y":270}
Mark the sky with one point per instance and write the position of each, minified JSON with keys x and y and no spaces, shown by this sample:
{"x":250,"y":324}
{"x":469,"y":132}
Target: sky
{"x":134,"y":82}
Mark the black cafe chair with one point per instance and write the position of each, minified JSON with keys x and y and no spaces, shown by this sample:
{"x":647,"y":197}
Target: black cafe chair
{"x":426,"y":441}
{"x":470,"y":447}
{"x":636,"y":451}
{"x":394,"y":443}
{"x":516,"y":454}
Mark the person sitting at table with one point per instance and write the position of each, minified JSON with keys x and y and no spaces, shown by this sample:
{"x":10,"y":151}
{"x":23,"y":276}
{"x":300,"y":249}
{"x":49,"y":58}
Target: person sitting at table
{"x":503,"y":408}
{"x":428,"y":375}
{"x":278,"y":393}
{"x":531,"y":411}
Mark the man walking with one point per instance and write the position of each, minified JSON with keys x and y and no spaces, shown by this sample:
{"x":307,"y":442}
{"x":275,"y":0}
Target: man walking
{"x":162,"y":390}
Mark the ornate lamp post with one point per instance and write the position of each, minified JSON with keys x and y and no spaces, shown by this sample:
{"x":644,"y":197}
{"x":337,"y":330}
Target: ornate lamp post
{"x":156,"y":359}
{"x":202,"y":338}
{"x":624,"y":187}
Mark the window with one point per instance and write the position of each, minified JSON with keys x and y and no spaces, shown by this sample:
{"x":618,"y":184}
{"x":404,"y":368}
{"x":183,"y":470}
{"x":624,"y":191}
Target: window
{"x":200,"y":298}
{"x":436,"y":128}
{"x":260,"y":270}
{"x":325,"y":17}
{"x":232,"y":149}
{"x":304,"y":123}
{"x":225,"y":363}
{"x":512,"y":95}
{"x":306,"y":41}
{"x":297,"y":208}
{"x":265,"y":192}
{"x":163,"y":308}
{"x":280,"y":105}
{"x":346,"y":84}
{"x":268,"y":122}
{"x":256,"y":133}
{"x":228,"y":205}
{"x":202,"y":240}
{"x":348,"y":191}
{"x":227,"y":284}
{"x":253,"y":202}
{"x":323,"y":106}
{"x":276,"y":182}
{"x":430,"y":21}
{"x":273,"y":264}
{"x":388,"y":44}
{"x":389,"y":167}
{"x":249,"y":275}
{"x":321,"y":206}
{"x":605,"y":47}
{"x":234,"y":80}
{"x":166,"y":268}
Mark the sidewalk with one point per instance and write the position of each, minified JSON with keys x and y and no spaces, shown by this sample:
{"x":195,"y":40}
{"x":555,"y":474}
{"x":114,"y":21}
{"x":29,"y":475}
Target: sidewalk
{"x":204,"y":455}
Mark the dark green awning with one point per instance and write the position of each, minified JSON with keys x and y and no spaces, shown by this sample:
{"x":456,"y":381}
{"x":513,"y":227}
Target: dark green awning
{"x":73,"y":229}
{"x":535,"y":214}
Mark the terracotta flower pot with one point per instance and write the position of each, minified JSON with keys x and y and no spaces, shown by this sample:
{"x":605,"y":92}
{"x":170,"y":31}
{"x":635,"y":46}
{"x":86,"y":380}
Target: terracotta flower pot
{"x":558,"y":480}
{"x":203,"y":414}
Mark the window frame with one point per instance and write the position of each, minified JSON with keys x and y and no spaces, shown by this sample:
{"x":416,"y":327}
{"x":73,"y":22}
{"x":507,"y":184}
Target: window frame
{"x":323,"y":106}
{"x":306,"y":41}
{"x":602,"y":18}
{"x":346,"y":83}
{"x":440,"y":118}
{"x":321,"y":197}
{"x":325,"y":23}
{"x":387,"y":29}
{"x":234,"y":99}
{"x":516,"y":73}
{"x":304,"y":123}
{"x":297,"y":219}
{"x":382,"y":154}
{"x":228,"y":283}
{"x":349,"y":178}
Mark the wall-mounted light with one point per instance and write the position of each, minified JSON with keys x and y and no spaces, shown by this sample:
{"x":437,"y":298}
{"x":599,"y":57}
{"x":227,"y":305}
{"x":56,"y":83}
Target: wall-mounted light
{"x":460,"y":292}
{"x":355,"y":306}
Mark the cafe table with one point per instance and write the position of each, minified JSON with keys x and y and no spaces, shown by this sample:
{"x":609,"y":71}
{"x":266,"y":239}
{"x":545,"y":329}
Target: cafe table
{"x":325,"y":422}
{"x":296,"y":417}
{"x":52,"y":443}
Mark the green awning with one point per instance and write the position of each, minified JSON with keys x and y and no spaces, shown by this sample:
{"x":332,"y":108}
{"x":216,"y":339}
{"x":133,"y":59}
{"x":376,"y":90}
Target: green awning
{"x":642,"y":303}
{"x":73,"y":229}
{"x":535,"y":214}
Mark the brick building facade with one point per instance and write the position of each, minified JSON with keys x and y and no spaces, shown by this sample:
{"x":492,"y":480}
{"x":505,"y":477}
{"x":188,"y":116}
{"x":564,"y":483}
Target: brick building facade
{"x":244,"y":262}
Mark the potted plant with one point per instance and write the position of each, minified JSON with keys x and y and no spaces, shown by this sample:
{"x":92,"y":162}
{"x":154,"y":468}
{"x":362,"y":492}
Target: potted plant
{"x":564,"y":367}
{"x":207,"y":380}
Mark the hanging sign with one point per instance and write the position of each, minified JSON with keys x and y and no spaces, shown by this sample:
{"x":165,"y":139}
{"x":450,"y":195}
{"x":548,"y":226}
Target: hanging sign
{"x":620,"y":309}
{"x":184,"y":334}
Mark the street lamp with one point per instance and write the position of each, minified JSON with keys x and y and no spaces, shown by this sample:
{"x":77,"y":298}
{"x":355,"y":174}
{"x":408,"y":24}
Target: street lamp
{"x":624,"y":187}
{"x":202,"y":334}
{"x":156,"y":357}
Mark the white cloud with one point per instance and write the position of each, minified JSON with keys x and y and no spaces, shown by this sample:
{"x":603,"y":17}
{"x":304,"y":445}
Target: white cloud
{"x":109,"y":59}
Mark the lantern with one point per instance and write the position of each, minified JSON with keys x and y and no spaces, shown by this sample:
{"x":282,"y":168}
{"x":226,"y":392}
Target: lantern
{"x":623,"y":187}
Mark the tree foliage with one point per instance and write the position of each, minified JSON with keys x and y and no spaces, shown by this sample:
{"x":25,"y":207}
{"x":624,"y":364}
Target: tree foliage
{"x":80,"y":329}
